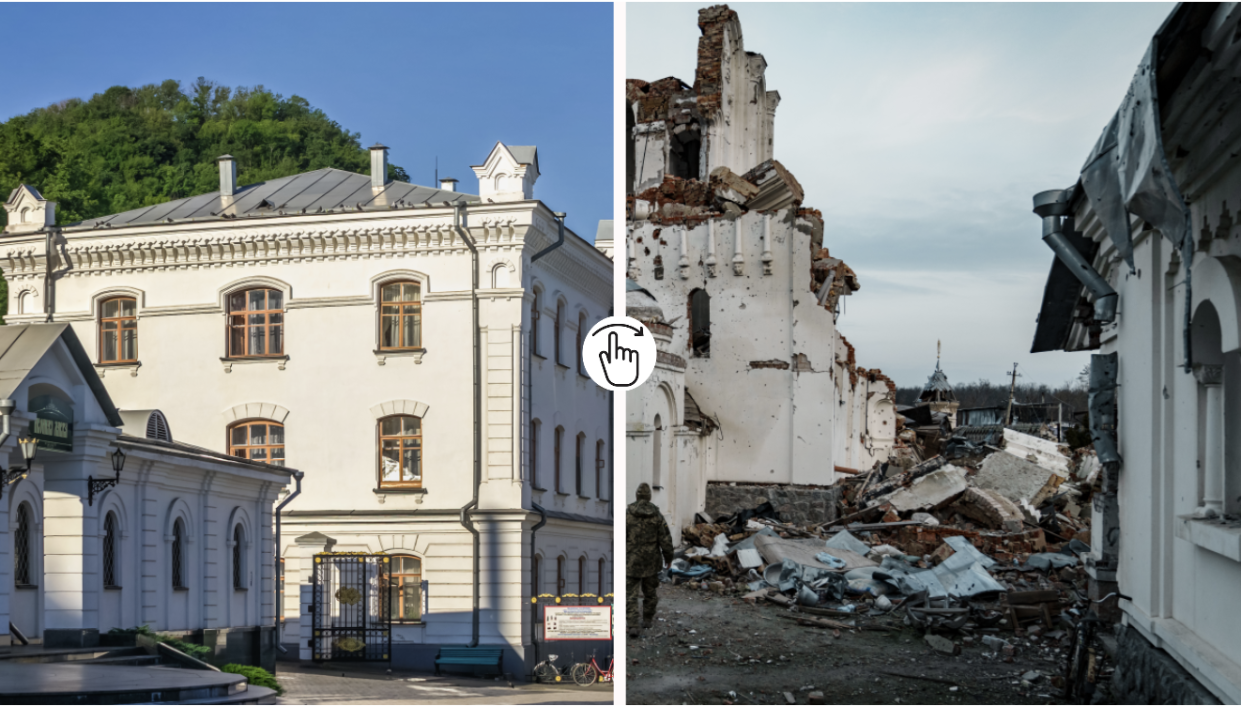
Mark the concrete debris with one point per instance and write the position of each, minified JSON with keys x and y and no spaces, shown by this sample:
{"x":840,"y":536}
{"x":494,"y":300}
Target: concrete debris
{"x":777,"y":187}
{"x":844,"y":540}
{"x":1047,"y":454}
{"x":1017,"y":479}
{"x":925,"y":518}
{"x":749,"y":558}
{"x":942,"y":644}
{"x":990,"y":509}
{"x":929,"y":492}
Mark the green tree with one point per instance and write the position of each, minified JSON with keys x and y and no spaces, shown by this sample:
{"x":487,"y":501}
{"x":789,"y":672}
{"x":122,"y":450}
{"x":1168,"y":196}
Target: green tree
{"x":127,"y":148}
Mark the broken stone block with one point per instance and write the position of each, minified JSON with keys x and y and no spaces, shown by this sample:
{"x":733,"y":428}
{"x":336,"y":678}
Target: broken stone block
{"x":1016,"y":479}
{"x":728,"y":186}
{"x":777,"y":187}
{"x":749,"y":558}
{"x":1048,"y":454}
{"x":942,"y":644}
{"x":815,"y":697}
{"x":990,"y":509}
{"x":931,"y":491}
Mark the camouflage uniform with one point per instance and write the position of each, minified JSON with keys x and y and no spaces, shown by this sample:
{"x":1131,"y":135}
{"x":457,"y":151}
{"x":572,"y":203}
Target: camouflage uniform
{"x":648,"y":546}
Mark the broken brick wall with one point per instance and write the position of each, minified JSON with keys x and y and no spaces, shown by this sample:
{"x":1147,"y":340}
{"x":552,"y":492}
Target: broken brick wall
{"x":799,"y":505}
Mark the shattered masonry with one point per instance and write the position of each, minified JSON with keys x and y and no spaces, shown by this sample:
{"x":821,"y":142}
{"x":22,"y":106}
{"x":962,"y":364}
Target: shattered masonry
{"x":731,"y":271}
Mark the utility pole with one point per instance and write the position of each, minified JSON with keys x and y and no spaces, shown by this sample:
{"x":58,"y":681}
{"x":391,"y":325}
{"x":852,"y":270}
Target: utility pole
{"x":1012,"y":389}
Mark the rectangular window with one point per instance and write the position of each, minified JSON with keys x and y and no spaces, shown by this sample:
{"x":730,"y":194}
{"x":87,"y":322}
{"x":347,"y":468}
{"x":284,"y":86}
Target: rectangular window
{"x":256,"y":323}
{"x":559,"y":437}
{"x":534,"y":453}
{"x":405,"y":589}
{"x":257,"y":441}
{"x":400,"y":317}
{"x":400,"y":451}
{"x":599,"y":470}
{"x":118,"y":331}
{"x":577,"y":465}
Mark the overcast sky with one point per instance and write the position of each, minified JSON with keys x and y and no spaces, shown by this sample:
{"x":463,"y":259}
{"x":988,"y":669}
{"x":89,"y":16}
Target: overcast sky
{"x":426,"y":79}
{"x":922,"y":131}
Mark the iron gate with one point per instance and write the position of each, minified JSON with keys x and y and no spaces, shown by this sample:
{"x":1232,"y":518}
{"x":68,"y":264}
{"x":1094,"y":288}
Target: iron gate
{"x":352,"y":609}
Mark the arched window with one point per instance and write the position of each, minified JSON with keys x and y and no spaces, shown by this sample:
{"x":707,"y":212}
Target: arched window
{"x":560,"y":583}
{"x":534,"y":453}
{"x":534,"y":324}
{"x":239,"y":563}
{"x":178,"y":554}
{"x":499,"y":276}
{"x":405,"y":589}
{"x":258,"y":441}
{"x":559,"y":324}
{"x":700,"y":323}
{"x":581,"y":338}
{"x":110,"y":541}
{"x":581,"y":575}
{"x":400,"y":316}
{"x":118,"y":330}
{"x":25,"y":303}
{"x":558,"y":486}
{"x":22,"y":570}
{"x":256,"y":323}
{"x":25,"y":215}
{"x":400,"y":451}
{"x":602,"y":564}
{"x":579,"y":451}
{"x":656,"y":470}
{"x":599,"y":464}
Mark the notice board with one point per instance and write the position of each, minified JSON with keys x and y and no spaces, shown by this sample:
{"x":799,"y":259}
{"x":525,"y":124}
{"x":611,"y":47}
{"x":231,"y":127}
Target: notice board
{"x":577,"y":622}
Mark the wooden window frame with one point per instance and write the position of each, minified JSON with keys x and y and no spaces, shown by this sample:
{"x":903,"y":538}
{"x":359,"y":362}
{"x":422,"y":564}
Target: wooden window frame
{"x":407,"y":309}
{"x":379,"y":455}
{"x":579,"y":445}
{"x":267,"y":326}
{"x":119,"y":321}
{"x":557,"y":478}
{"x":559,"y":326}
{"x":248,"y":448}
{"x":535,"y":314}
{"x":398,"y":605}
{"x":599,"y":463}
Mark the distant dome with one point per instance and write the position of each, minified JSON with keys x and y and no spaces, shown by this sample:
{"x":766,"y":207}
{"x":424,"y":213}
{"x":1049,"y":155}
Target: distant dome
{"x":641,"y":304}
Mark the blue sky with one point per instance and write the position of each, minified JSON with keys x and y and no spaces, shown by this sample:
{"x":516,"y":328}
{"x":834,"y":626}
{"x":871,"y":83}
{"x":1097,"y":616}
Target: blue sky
{"x":922,"y":131}
{"x":426,"y":80}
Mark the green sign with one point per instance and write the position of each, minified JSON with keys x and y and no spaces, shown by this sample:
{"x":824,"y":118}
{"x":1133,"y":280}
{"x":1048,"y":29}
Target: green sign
{"x":53,"y":423}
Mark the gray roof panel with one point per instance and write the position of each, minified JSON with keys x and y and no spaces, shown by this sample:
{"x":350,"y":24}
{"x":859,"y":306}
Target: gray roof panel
{"x":327,"y":189}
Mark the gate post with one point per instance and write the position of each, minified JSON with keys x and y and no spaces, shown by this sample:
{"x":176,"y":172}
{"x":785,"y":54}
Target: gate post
{"x":307,"y":546}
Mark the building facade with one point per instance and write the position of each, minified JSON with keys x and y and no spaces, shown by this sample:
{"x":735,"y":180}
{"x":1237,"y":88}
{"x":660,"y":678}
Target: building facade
{"x":183,"y":543}
{"x":754,"y":382}
{"x":324,"y":320}
{"x":1160,"y":301}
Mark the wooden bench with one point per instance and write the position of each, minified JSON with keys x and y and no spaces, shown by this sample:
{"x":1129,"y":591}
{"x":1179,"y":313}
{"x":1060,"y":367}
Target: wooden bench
{"x":478,"y":660}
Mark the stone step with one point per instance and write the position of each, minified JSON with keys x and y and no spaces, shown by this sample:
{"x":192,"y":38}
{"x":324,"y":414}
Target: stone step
{"x":136,"y":660}
{"x":252,"y":695}
{"x":81,"y":682}
{"x":69,"y":654}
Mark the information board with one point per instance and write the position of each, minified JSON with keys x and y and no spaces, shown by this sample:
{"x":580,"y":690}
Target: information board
{"x":577,"y":622}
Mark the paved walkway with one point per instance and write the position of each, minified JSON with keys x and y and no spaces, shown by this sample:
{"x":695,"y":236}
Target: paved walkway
{"x":334,"y":684}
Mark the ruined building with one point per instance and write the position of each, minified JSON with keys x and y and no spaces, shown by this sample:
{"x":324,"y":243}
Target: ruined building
{"x":754,"y":384}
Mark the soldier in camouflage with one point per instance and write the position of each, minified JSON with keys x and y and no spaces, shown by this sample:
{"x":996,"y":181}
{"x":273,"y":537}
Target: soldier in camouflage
{"x":648,"y":546}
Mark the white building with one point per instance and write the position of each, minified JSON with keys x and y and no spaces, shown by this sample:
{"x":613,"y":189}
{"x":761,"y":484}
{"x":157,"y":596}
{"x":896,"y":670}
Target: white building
{"x":182,"y":543}
{"x":354,"y":361}
{"x":754,"y":382}
{"x":1167,"y":524}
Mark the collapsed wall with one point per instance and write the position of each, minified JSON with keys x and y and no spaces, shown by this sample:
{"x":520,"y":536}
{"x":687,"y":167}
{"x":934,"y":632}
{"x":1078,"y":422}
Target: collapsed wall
{"x":747,"y":291}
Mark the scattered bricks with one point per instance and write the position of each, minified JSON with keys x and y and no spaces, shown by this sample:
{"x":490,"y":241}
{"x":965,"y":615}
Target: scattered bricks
{"x":943,"y":552}
{"x":815,"y":697}
{"x":990,"y":509}
{"x":942,"y":644}
{"x":1009,"y":652}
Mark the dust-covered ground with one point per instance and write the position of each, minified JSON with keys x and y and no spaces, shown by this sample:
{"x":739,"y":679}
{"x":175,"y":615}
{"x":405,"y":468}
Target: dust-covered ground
{"x":713,"y":649}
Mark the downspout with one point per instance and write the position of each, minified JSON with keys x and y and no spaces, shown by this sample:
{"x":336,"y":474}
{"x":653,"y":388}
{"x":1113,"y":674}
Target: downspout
{"x":48,"y":308}
{"x":534,"y":604}
{"x":560,"y":241}
{"x":6,"y":419}
{"x":1051,"y":206}
{"x":467,"y":522}
{"x":297,"y":476}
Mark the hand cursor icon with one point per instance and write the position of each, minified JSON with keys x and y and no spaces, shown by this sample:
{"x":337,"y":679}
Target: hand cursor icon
{"x":620,"y":364}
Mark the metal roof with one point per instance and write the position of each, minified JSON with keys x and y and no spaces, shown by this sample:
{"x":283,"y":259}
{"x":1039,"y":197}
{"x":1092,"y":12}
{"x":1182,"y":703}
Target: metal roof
{"x":936,"y":385}
{"x":23,"y":346}
{"x":525,"y":154}
{"x":325,"y":190}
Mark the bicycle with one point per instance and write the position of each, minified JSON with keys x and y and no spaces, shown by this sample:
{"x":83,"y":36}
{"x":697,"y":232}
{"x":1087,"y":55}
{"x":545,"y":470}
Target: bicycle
{"x":1081,"y":673}
{"x":547,"y":670}
{"x":587,"y":673}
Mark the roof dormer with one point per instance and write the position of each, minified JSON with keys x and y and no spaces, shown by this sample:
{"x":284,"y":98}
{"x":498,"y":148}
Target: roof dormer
{"x":508,"y":174}
{"x":28,"y":211}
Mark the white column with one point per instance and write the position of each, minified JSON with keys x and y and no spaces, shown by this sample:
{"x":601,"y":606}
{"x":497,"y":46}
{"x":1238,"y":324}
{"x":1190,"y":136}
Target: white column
{"x":767,"y":244}
{"x":1211,"y":377}
{"x":738,"y":259}
{"x":711,"y":248}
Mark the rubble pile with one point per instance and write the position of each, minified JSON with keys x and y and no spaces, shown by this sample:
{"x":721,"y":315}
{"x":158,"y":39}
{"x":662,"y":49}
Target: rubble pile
{"x":978,"y":545}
